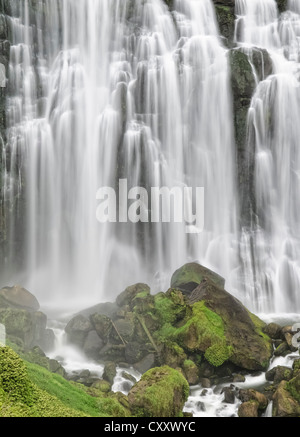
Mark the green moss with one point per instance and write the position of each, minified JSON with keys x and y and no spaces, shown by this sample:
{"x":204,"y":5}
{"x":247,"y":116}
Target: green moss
{"x":165,"y":309}
{"x":71,"y":394}
{"x":202,"y":330}
{"x":161,"y":392}
{"x":29,"y":390}
{"x":293,"y":386}
{"x":14,"y":379}
{"x":20,"y":396}
{"x":218,"y":353}
{"x":226,"y":19}
{"x":111,"y":407}
{"x":191,"y":274}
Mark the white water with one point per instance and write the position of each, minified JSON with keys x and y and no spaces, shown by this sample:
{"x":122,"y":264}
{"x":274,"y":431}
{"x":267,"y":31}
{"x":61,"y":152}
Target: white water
{"x":105,"y":89}
{"x":271,"y":247}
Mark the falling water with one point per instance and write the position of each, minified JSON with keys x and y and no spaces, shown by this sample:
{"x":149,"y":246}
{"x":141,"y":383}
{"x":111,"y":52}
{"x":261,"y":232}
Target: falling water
{"x":271,"y":248}
{"x":102,"y":90}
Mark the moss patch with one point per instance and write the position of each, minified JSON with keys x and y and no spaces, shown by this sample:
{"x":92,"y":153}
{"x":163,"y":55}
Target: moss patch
{"x":161,"y":392}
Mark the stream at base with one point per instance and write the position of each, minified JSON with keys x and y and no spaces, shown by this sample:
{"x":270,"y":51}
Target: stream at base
{"x":202,"y":401}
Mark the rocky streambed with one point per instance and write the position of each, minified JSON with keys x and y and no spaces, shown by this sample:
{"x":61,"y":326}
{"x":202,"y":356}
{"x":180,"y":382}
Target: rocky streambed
{"x":193,"y":349}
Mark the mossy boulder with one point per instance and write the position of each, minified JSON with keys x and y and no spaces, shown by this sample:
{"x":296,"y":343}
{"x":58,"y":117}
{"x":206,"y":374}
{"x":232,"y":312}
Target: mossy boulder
{"x":279,"y":373}
{"x":218,"y":327}
{"x":251,"y":395}
{"x":161,"y":392}
{"x":135,"y":291}
{"x":195,"y":321}
{"x":18,"y":297}
{"x":248,"y":409}
{"x":189,"y":276}
{"x":286,"y":402}
{"x":293,"y":385}
{"x":27,"y":326}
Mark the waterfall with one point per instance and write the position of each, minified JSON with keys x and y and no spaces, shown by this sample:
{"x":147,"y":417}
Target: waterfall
{"x":123,"y":94}
{"x":109,"y":90}
{"x":271,"y":246}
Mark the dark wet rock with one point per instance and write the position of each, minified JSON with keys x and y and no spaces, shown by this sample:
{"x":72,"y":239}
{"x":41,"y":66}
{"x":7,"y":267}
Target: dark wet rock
{"x":279,"y":373}
{"x":273,"y":330}
{"x":92,"y":344}
{"x":77,"y":330}
{"x":109,"y":372}
{"x":189,"y":276}
{"x":146,"y":363}
{"x":229,"y":395}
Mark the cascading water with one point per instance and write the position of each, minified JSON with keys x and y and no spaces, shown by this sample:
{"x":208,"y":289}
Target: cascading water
{"x":102,"y":90}
{"x":271,"y":248}
{"x":105,"y":90}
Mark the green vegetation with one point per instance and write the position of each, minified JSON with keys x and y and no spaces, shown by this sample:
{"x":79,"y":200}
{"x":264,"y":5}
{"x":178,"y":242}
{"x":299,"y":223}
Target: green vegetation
{"x":21,"y":397}
{"x":29,"y":390}
{"x":161,"y":392}
{"x":199,"y":330}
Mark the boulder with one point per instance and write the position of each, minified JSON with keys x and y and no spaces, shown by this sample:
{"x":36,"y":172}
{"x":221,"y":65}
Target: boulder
{"x":128,"y":295}
{"x":273,"y":330}
{"x":101,"y":385}
{"x":18,"y":297}
{"x":218,"y":325}
{"x":109,"y":372}
{"x":251,"y":395}
{"x":229,"y":395}
{"x":77,"y":330}
{"x":102,"y":324}
{"x":248,"y":409}
{"x":189,"y":276}
{"x":27,"y":326}
{"x":145,"y":364}
{"x":92,"y":345}
{"x":161,"y":392}
{"x":284,"y":403}
{"x":279,"y":373}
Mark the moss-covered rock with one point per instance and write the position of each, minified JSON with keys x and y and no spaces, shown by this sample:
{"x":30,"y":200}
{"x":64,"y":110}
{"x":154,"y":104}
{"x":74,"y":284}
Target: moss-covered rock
{"x":161,"y":392}
{"x":282,"y":5}
{"x":226,"y":21}
{"x":285,"y":403}
{"x":190,"y":275}
{"x":27,"y":326}
{"x":18,"y":297}
{"x":248,"y":409}
{"x":130,"y":293}
{"x":293,"y":385}
{"x":217,"y":326}
{"x":247,"y":395}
